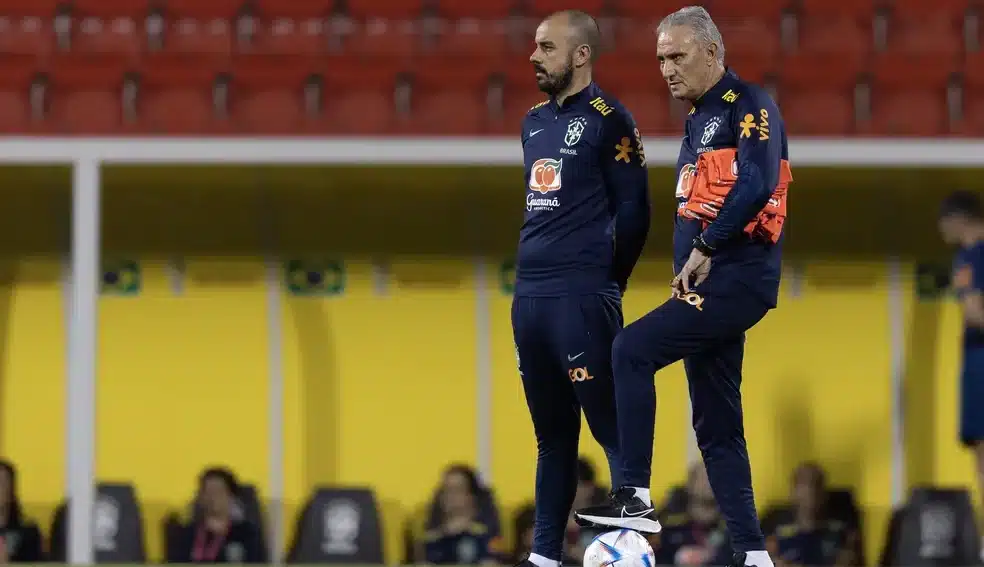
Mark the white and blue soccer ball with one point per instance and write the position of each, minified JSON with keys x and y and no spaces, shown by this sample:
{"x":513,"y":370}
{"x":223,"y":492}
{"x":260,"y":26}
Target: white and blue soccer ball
{"x":619,"y":548}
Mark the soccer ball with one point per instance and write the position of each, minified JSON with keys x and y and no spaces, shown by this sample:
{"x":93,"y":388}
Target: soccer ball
{"x":620,"y":548}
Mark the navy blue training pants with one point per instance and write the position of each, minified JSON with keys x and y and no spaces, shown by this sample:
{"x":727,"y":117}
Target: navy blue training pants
{"x":563,"y":347}
{"x":706,"y":331}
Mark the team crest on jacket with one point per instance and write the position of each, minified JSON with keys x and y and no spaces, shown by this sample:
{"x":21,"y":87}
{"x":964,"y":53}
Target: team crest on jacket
{"x":710,"y":129}
{"x":574,"y":130}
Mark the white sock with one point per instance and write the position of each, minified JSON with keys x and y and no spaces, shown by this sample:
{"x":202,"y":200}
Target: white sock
{"x":541,"y":561}
{"x":758,"y":559}
{"x":643,"y":494}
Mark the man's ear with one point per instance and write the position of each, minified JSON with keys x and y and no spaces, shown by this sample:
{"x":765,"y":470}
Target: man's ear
{"x":712,"y":51}
{"x":582,"y":55}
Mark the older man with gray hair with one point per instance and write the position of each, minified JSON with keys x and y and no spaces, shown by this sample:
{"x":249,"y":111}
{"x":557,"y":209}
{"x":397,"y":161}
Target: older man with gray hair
{"x":732,"y":179}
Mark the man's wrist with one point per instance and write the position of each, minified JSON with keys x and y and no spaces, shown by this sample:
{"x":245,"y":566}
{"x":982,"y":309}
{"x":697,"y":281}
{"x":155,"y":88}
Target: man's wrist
{"x":702,"y":246}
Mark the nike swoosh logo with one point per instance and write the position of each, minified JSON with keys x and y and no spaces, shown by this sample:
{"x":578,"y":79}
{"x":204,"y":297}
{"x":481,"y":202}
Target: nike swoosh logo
{"x":573,"y":358}
{"x":535,"y":132}
{"x":636,"y":514}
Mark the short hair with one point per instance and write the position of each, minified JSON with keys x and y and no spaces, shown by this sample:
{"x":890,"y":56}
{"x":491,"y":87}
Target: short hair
{"x":223,"y":474}
{"x":962,"y":203}
{"x":584,"y":29}
{"x":697,"y":19}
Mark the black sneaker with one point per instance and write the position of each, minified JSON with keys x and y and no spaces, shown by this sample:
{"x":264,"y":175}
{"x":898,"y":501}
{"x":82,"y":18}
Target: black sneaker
{"x":623,"y":510}
{"x":737,"y":560}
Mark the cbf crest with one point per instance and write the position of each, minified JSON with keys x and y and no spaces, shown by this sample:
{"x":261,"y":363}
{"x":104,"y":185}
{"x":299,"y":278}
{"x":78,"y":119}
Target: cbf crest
{"x":574,"y":130}
{"x":710,"y":129}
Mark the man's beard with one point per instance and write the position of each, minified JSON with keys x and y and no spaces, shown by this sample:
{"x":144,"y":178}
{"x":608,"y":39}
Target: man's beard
{"x":556,"y":84}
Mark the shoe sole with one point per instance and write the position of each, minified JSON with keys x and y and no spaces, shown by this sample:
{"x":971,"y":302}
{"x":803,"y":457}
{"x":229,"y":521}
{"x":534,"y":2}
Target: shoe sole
{"x":639,"y":524}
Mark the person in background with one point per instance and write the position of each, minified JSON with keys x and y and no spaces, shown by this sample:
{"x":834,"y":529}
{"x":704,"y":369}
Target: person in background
{"x":523,"y":528}
{"x":961,"y":224}
{"x":459,"y":536}
{"x":589,"y":493}
{"x":20,"y":539}
{"x":812,"y":538}
{"x":219,"y":535}
{"x":696,"y":536}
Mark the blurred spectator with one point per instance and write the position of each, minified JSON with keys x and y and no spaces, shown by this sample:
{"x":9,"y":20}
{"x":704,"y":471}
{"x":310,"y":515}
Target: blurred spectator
{"x":460,"y":533}
{"x":812,"y":537}
{"x":219,"y":534}
{"x":523,"y":528}
{"x":589,"y":493}
{"x":20,"y":539}
{"x":696,"y":536}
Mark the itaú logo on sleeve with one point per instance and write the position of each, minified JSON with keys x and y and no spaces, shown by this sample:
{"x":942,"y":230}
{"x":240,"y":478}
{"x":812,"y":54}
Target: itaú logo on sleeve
{"x":545,"y":177}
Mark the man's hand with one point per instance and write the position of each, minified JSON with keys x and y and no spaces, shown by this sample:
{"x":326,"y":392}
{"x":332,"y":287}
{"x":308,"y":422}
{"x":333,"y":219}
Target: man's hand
{"x":698,"y":267}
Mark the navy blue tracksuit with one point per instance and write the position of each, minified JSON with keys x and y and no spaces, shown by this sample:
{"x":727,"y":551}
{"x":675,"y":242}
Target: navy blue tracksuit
{"x":586,"y":221}
{"x":706,"y":328}
{"x":968,"y":277}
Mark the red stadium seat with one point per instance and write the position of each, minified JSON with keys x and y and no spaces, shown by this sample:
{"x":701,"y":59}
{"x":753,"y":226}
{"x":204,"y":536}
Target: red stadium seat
{"x":914,"y":29}
{"x":176,"y":94}
{"x":904,"y":104}
{"x":757,"y":70}
{"x":801,"y":71}
{"x":750,"y":37}
{"x":892,"y":113}
{"x":973,"y":115}
{"x":388,"y":39}
{"x":641,"y":89}
{"x":834,"y":37}
{"x":616,"y":75}
{"x":295,"y":9}
{"x":299,"y":26}
{"x":766,"y":11}
{"x":388,"y":9}
{"x":973,"y":70}
{"x":204,"y":10}
{"x":816,"y":95}
{"x":267,"y":92}
{"x":213,"y":38}
{"x":115,"y":26}
{"x":29,"y":8}
{"x":862,"y":10}
{"x":651,"y":111}
{"x":836,"y":28}
{"x":479,"y":39}
{"x":16,"y":74}
{"x":914,"y":9}
{"x":108,"y":9}
{"x":359,"y":99}
{"x":207,"y":28}
{"x":26,"y":34}
{"x":520,"y":93}
{"x":86,"y":93}
{"x":290,"y":35}
{"x":490,"y":9}
{"x":541,"y":8}
{"x":809,"y":112}
{"x":440,"y":85}
{"x":649,"y":9}
{"x":896,"y":70}
{"x":973,"y":103}
{"x":635,"y":38}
